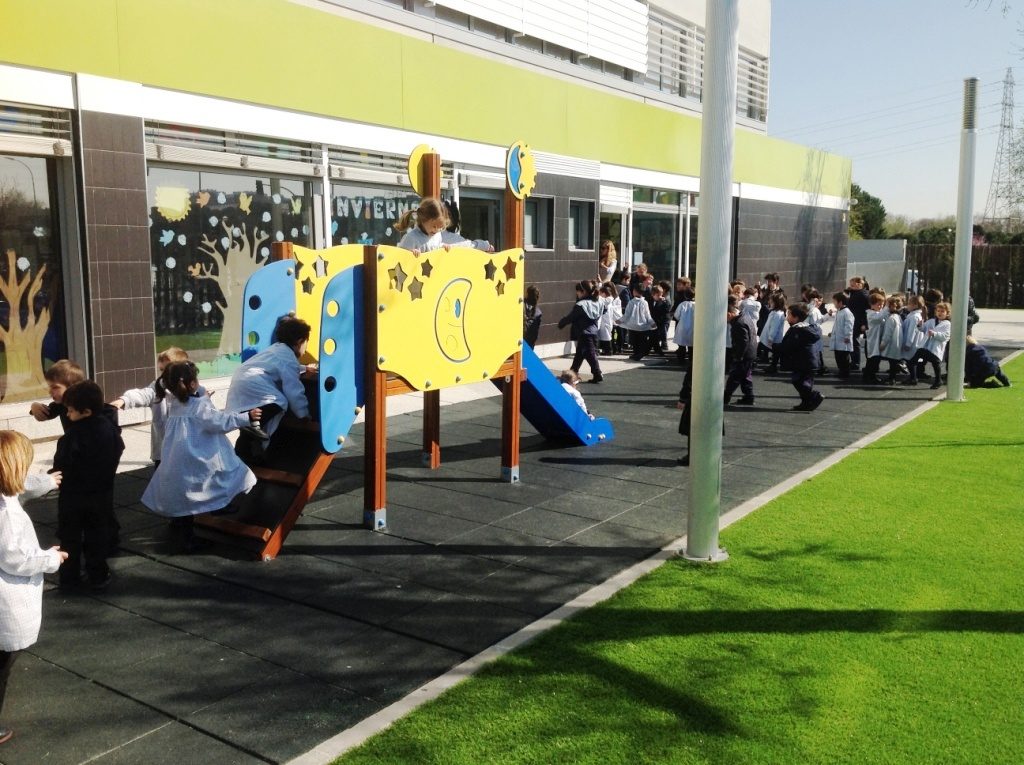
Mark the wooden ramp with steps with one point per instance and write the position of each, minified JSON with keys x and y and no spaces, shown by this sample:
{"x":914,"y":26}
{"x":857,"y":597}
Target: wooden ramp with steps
{"x":295,"y":465}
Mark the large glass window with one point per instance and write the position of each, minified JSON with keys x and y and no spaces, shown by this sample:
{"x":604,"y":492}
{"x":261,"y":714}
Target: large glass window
{"x":32,"y":325}
{"x":209,"y":232}
{"x":538,"y":220}
{"x":367,"y":214}
{"x":581,"y":225}
{"x":655,"y":242}
{"x":480,"y":210}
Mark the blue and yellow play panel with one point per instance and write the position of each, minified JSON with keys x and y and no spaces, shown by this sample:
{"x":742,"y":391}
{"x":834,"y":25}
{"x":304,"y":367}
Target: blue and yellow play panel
{"x":447,"y":318}
{"x":341,"y":380}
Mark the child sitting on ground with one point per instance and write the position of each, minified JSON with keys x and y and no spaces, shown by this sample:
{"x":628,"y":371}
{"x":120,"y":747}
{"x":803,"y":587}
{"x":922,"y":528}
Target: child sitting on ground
{"x":271,"y":382}
{"x":87,"y":456}
{"x":199,"y":472}
{"x":570,"y":380}
{"x":979,"y":367}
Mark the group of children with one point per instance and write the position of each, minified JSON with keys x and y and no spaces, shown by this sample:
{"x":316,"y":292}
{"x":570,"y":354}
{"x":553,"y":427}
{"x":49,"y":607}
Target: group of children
{"x":197,"y":469}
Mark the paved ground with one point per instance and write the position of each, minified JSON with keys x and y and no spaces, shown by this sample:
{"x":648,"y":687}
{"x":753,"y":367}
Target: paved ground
{"x":208,"y":658}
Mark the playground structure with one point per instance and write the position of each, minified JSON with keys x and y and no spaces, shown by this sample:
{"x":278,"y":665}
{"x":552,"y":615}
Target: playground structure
{"x":386,"y":321}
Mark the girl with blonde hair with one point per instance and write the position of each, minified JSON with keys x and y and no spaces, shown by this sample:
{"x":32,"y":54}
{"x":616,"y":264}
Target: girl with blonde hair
{"x":22,"y":561}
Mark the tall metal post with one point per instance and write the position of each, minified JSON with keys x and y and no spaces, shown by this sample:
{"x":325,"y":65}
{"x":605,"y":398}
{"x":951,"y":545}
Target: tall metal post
{"x":713,"y":247}
{"x":962,"y":251}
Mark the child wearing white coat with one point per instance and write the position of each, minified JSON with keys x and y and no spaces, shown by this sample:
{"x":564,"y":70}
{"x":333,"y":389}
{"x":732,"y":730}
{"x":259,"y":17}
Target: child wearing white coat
{"x":199,"y":471}
{"x":936,"y":335}
{"x":773,"y":331}
{"x":842,"y":334}
{"x":876,"y":319}
{"x":891,"y":341}
{"x":684,"y":328}
{"x":22,"y":562}
{"x":611,"y":312}
{"x":913,"y":338}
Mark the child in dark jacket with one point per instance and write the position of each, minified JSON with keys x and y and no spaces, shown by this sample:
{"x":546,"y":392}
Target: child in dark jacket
{"x":87,"y":456}
{"x":743,"y":333}
{"x":799,"y":346}
{"x":583,"y":318}
{"x":979,"y":367}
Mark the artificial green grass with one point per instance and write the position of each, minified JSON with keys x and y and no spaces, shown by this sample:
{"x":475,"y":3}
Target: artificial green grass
{"x":874,"y":614}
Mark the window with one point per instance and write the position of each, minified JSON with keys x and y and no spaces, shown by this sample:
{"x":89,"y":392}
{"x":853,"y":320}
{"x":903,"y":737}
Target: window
{"x":480,"y":213}
{"x":210,"y":231}
{"x":32,"y":329}
{"x":581,"y":225}
{"x":368,"y":214}
{"x":538,"y":220}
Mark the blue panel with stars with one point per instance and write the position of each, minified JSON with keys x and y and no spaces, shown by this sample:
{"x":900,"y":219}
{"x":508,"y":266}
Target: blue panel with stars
{"x":269,"y":295}
{"x":341,"y":357}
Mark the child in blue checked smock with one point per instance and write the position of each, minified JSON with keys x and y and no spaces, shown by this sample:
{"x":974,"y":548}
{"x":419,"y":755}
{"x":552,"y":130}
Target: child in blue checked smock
{"x":199,"y":472}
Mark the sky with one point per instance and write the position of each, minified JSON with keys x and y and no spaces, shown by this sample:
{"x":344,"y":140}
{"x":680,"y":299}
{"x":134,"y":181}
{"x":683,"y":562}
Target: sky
{"x":881,"y":82}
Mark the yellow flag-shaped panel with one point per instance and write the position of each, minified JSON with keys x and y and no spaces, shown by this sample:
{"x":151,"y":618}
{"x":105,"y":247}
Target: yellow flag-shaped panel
{"x":313,"y":270}
{"x":448,"y":318}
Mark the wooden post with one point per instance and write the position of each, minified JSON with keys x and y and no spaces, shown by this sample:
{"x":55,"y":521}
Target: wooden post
{"x":431,"y":183}
{"x":512,"y":236}
{"x":375,"y":410}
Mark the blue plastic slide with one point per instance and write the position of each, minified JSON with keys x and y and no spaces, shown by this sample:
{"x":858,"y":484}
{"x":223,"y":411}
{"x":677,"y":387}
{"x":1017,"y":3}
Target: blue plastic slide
{"x":552,"y":411}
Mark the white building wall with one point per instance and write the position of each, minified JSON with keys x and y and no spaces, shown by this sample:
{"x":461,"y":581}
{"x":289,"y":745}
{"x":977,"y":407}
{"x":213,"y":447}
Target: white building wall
{"x":755,"y":20}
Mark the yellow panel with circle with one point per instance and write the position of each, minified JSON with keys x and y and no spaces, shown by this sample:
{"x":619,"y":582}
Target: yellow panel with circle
{"x":313,"y":270}
{"x":448,"y":318}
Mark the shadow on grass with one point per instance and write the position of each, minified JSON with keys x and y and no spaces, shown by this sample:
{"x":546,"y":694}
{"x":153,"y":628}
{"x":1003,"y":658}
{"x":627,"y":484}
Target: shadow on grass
{"x":634,"y":624}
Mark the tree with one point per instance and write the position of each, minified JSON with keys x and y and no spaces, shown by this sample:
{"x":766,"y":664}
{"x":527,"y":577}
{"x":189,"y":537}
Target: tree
{"x":22,"y":338}
{"x":232,"y":260}
{"x":867,"y":216}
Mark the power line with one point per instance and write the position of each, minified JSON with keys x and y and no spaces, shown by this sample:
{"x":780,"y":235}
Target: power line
{"x":864,"y":116}
{"x":918,"y":146}
{"x":950,"y":124}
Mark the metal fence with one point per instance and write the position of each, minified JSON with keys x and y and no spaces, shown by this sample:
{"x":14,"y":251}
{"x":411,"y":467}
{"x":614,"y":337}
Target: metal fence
{"x":997,"y":272}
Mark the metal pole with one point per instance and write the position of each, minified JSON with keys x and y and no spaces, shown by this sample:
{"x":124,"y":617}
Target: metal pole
{"x":713,"y":247}
{"x":962,"y":252}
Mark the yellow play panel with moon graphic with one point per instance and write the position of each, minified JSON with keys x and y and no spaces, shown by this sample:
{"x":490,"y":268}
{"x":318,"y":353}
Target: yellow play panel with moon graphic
{"x":448,"y":318}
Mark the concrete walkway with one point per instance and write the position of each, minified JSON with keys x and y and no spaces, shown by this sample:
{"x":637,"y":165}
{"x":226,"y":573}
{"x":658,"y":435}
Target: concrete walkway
{"x":209,"y":658}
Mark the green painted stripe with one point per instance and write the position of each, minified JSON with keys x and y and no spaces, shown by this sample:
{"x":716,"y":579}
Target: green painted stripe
{"x":277,"y":53}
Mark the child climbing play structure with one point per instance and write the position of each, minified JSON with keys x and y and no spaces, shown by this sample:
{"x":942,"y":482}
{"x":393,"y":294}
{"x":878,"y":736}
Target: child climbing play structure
{"x":387,"y":321}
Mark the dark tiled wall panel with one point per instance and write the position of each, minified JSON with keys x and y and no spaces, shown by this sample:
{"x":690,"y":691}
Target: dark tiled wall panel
{"x":555,"y":271}
{"x":117,"y":254}
{"x":804,"y":244}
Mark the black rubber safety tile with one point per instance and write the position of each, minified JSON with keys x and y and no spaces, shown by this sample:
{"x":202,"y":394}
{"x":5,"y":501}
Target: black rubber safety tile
{"x":282,"y":716}
{"x":173,"y":744}
{"x":548,"y":524}
{"x":60,"y":717}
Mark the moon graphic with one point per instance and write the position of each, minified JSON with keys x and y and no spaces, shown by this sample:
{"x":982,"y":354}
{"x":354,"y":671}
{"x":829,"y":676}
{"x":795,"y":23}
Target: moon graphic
{"x":520,"y":170}
{"x":450,"y":320}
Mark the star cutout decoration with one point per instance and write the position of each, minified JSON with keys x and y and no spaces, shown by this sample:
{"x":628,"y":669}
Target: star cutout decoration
{"x":426,"y":268}
{"x":416,"y":289}
{"x":298,"y":270}
{"x":500,"y":287}
{"x":397,"y":276}
{"x":320,"y":267}
{"x":489,"y":270}
{"x":307,"y":285}
{"x":510,"y":269}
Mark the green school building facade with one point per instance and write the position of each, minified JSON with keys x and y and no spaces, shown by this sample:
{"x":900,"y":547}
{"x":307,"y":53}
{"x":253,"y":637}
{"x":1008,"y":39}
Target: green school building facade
{"x":151,"y":153}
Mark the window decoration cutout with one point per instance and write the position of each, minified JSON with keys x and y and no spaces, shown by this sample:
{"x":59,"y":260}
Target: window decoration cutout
{"x":24,"y":327}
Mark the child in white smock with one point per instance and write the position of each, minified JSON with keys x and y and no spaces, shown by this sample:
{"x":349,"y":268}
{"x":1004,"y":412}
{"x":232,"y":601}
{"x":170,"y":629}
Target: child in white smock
{"x":22,"y":562}
{"x":936,"y":335}
{"x":425,"y":229}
